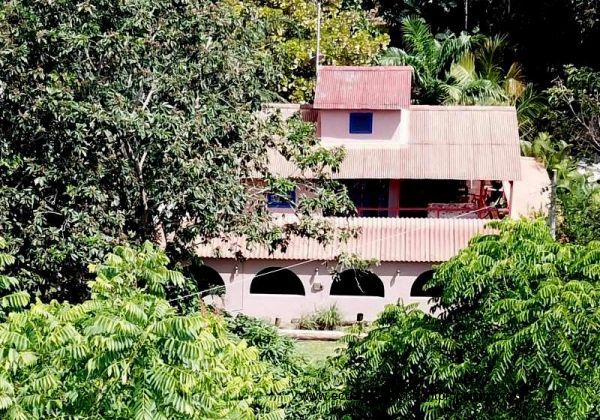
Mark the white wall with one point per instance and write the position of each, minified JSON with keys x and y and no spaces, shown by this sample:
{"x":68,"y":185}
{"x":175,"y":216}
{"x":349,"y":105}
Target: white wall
{"x":397,"y":279}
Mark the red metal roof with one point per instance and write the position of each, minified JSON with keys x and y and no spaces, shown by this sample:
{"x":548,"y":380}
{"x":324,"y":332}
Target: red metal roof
{"x":376,"y":87}
{"x":387,"y":239}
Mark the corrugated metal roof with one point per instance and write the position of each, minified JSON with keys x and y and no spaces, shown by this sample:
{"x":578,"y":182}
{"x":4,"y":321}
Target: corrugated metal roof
{"x":387,"y":239}
{"x":465,"y":143}
{"x":376,"y":87}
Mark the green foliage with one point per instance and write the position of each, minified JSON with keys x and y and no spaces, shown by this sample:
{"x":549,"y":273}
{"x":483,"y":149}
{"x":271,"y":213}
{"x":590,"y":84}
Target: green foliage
{"x":10,"y":299}
{"x":429,"y":55}
{"x":328,"y":318}
{"x":518,"y":332}
{"x":126,"y":353}
{"x":273,"y":347}
{"x":136,"y":120}
{"x":349,"y":36}
{"x":573,"y":113}
{"x":580,"y":216}
{"x":477,"y":78}
{"x":306,"y":322}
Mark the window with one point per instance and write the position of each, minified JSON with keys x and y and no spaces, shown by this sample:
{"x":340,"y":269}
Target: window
{"x":276,"y":201}
{"x":361,"y":122}
{"x":276,"y":281}
{"x":357,"y":283}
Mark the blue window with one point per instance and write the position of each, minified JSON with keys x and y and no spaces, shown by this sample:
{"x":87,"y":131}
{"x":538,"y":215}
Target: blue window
{"x":361,"y":122}
{"x":276,"y":201}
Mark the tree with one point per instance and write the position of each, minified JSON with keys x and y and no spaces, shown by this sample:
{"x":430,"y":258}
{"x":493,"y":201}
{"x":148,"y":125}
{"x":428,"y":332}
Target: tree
{"x":126,"y":353}
{"x":349,"y":36}
{"x":518,"y":332}
{"x":138,"y":120}
{"x":546,"y":34}
{"x":477,"y":78}
{"x":573,"y":113}
{"x":429,"y":55}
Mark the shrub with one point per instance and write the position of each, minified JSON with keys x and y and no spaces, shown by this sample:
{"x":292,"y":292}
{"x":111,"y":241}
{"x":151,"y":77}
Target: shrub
{"x":273,"y":347}
{"x":323,"y":319}
{"x":328,"y":318}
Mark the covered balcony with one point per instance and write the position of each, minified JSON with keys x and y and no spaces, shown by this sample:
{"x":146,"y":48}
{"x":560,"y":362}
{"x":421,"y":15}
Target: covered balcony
{"x":428,"y":198}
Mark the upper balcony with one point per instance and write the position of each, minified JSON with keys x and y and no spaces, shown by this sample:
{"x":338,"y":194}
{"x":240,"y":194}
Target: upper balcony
{"x":443,"y":199}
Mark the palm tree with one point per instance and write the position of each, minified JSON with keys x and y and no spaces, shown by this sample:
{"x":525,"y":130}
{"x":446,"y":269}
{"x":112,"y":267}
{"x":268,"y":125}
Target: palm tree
{"x":429,"y":56}
{"x":477,"y":78}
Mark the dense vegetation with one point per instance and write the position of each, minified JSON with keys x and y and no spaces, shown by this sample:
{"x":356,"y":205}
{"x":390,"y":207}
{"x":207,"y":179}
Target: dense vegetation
{"x":519,"y":332}
{"x":126,"y":129}
{"x":137,"y":120}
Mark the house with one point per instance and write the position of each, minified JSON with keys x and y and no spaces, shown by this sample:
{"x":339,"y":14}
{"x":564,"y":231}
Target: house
{"x":424,"y":179}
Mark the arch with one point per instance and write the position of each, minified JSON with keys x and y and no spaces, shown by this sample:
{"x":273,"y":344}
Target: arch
{"x":207,"y":278}
{"x":357,"y":283}
{"x":418,"y":285}
{"x":276,"y":281}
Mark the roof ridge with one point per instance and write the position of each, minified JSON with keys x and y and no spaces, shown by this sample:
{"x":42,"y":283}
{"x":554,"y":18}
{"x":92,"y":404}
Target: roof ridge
{"x":366,"y":68}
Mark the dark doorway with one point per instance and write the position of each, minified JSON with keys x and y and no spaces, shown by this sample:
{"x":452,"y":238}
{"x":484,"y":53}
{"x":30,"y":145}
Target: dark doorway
{"x":418,"y":287}
{"x":277,"y":281}
{"x":357,"y":283}
{"x":207,"y":279}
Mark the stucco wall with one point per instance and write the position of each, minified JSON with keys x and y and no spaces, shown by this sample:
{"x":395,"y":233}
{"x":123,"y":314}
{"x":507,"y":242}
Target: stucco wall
{"x":397,"y":279}
{"x":334,"y":126}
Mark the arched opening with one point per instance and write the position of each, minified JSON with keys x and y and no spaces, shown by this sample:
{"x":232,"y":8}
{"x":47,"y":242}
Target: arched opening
{"x":418,"y":287}
{"x":276,"y":281}
{"x":207,"y":279}
{"x":357,"y":283}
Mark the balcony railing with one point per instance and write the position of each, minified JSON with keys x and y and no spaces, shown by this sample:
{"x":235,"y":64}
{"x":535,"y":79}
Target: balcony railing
{"x":437,"y":210}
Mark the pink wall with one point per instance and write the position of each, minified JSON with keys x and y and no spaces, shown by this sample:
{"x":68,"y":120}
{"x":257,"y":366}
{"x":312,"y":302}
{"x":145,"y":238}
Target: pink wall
{"x":397,"y":279}
{"x":334,"y":125}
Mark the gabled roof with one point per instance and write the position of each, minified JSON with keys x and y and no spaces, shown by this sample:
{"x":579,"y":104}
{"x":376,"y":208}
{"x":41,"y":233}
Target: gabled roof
{"x":444,"y":142}
{"x":363,"y":87}
{"x":387,"y":239}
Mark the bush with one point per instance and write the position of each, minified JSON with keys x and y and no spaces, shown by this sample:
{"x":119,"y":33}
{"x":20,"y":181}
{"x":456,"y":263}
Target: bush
{"x":328,"y":318}
{"x":273,"y":347}
{"x":323,"y":319}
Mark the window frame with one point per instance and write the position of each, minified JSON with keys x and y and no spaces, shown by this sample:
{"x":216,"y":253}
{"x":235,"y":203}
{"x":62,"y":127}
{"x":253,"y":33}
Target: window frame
{"x":352,"y":124}
{"x":280,"y":204}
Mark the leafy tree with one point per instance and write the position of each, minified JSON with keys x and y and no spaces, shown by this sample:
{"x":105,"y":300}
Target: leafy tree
{"x":138,"y":120}
{"x":574,"y":111}
{"x":580,"y":215}
{"x":518,"y":332}
{"x":126,"y":353}
{"x":429,"y":55}
{"x":349,"y":36}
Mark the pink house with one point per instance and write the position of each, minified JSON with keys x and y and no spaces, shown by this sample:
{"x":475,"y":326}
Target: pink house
{"x":424,"y":179}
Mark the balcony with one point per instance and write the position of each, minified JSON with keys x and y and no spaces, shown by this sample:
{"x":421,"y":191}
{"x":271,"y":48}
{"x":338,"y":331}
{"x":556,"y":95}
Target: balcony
{"x":441,"y":199}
